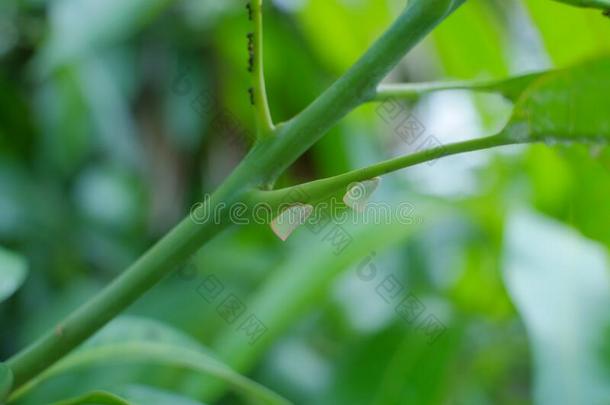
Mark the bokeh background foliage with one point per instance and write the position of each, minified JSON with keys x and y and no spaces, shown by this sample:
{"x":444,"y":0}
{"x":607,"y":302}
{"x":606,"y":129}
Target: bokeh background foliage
{"x":104,"y":146}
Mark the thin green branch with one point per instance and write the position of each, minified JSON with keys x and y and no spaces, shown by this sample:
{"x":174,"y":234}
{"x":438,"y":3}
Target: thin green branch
{"x":318,"y":190}
{"x":510,"y":88}
{"x":416,"y":90}
{"x":258,"y":90}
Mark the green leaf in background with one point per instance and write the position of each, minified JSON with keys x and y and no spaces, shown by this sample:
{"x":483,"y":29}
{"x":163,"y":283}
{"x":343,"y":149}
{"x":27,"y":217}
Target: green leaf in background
{"x":132,"y":339}
{"x":132,"y":395}
{"x":585,"y":34}
{"x":79,"y":27}
{"x":513,"y":87}
{"x":565,"y":106}
{"x":300,"y":284}
{"x":6,"y":381}
{"x":470,"y":43}
{"x":13,"y":270}
{"x":145,"y":395}
{"x":97,"y":398}
{"x":560,"y":284}
{"x":339,"y":44}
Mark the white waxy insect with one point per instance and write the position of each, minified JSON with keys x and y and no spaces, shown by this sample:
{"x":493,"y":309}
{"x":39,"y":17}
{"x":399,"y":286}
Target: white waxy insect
{"x":290,"y":219}
{"x":359,"y":193}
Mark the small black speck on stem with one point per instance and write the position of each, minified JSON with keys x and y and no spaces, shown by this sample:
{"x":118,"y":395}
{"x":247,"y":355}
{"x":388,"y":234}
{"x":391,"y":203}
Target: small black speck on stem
{"x":250,"y":52}
{"x":249,"y":7}
{"x":251,"y":92}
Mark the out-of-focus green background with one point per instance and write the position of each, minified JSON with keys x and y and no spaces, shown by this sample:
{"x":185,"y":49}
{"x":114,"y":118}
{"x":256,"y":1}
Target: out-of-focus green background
{"x":104,"y":146}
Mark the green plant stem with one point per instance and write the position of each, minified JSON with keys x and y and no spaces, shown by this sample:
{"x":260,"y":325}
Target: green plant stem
{"x":416,"y":90}
{"x":118,"y":295}
{"x":166,"y":255}
{"x":510,"y":88}
{"x":261,"y":104}
{"x":320,"y":189}
{"x":356,"y":86}
{"x":265,"y":162}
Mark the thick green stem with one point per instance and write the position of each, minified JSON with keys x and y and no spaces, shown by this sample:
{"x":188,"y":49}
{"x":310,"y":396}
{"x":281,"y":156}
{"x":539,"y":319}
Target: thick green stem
{"x":134,"y":282}
{"x":163,"y":257}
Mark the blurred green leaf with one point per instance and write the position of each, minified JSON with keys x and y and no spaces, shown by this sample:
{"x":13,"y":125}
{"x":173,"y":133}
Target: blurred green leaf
{"x":565,"y":106}
{"x":145,"y":395}
{"x":65,"y":122}
{"x":514,"y":87}
{"x":339,"y":45}
{"x":401,"y":368}
{"x":132,"y":395}
{"x":79,"y":27}
{"x":300,"y":284}
{"x":95,"y":398}
{"x":584,"y":35}
{"x":6,"y":381}
{"x":561,"y":287}
{"x":140,"y":340}
{"x":13,"y":270}
{"x":469,"y":43}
